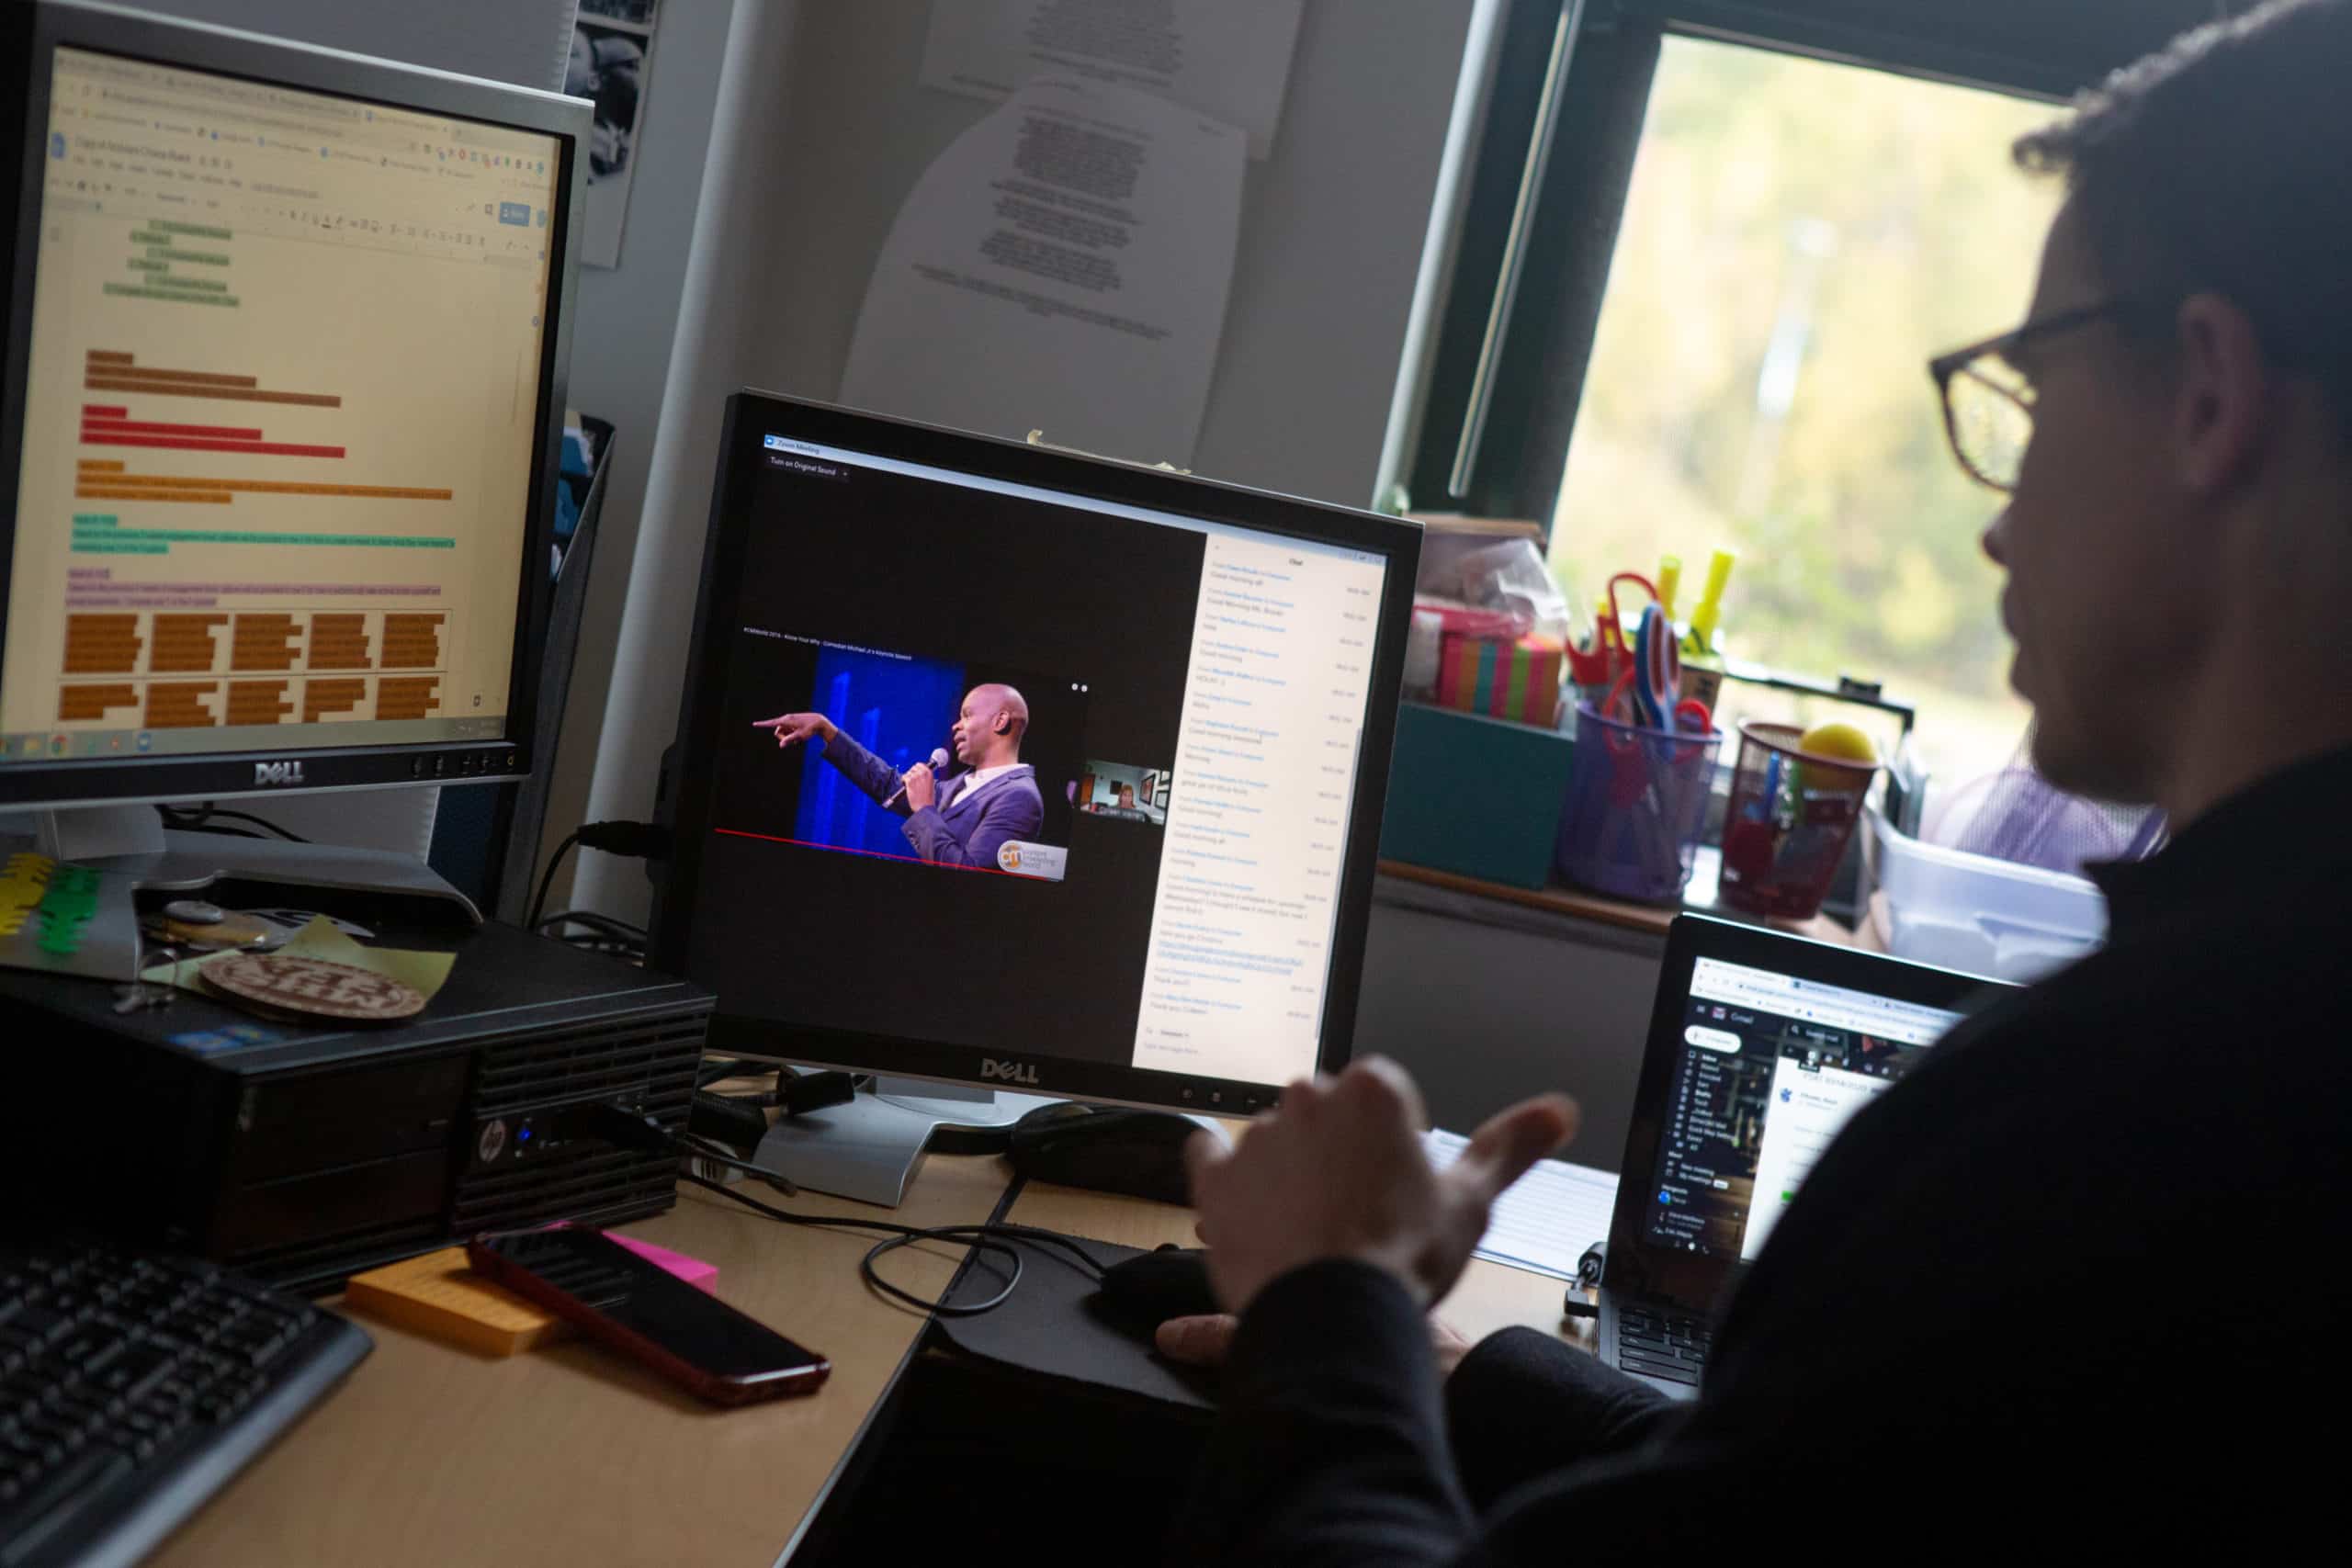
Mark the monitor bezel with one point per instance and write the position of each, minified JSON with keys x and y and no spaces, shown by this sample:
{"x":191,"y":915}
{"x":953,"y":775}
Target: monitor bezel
{"x":686,"y":808}
{"x":40,"y":30}
{"x":1636,"y":1263}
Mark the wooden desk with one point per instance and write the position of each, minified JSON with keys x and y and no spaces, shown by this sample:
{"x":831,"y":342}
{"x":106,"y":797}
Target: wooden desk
{"x":571,"y":1457}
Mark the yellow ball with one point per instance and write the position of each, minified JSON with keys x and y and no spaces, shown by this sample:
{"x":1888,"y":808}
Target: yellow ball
{"x":1841,"y":741}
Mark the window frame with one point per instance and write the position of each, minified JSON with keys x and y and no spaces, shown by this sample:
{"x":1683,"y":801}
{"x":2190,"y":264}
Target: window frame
{"x":1499,"y":402}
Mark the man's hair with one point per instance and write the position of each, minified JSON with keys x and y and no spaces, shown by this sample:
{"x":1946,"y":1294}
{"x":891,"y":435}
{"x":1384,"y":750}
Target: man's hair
{"x":2223,"y":163}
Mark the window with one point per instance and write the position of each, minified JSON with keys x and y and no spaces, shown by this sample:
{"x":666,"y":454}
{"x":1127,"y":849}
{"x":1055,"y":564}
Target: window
{"x":1798,"y":237}
{"x":1706,"y":249}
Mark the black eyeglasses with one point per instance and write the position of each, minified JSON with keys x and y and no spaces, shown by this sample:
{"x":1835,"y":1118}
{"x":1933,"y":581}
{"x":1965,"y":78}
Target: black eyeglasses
{"x":1988,"y":402}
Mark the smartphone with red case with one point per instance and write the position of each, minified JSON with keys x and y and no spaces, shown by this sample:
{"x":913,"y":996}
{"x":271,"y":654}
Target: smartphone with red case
{"x":613,"y":1295}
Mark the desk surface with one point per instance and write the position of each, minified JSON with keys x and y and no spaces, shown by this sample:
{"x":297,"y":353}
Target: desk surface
{"x":571,"y":1457}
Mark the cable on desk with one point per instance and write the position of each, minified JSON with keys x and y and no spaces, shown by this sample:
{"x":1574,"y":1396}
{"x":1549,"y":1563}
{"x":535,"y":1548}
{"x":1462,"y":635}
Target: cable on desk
{"x":994,"y":1238}
{"x":625,"y":1128}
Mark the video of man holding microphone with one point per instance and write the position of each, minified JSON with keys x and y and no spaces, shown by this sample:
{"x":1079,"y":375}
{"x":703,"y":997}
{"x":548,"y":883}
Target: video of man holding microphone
{"x":965,"y":820}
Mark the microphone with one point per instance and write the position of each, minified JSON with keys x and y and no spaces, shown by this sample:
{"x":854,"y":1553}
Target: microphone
{"x":938,"y":764}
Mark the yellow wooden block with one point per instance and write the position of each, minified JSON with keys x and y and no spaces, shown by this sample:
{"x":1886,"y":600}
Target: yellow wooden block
{"x":436,"y":1294}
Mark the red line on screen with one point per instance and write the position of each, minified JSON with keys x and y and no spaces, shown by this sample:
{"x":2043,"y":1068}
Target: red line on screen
{"x":97,"y":436}
{"x":876,"y":854}
{"x":115,"y":424}
{"x":92,"y":410}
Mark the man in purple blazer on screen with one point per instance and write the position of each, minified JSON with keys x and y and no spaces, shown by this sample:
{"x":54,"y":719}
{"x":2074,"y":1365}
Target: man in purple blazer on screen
{"x":965,"y":820}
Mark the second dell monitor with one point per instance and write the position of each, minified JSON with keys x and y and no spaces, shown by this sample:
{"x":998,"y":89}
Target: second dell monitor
{"x":1002,"y":765}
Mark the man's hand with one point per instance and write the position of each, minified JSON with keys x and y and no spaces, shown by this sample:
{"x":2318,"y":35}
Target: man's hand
{"x":791,"y":729}
{"x":923,"y":788}
{"x":1206,"y":1341}
{"x":1337,"y":1171}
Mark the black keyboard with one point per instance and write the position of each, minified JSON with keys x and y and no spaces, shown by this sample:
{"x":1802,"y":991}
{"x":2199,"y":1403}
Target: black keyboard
{"x":132,"y":1389}
{"x":1665,"y":1344}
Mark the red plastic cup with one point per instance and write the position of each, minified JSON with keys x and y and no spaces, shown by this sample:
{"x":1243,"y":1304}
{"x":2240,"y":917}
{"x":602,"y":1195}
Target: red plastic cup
{"x":1786,"y":826}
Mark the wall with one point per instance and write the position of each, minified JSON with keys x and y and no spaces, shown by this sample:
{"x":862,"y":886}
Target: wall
{"x":1485,"y":1002}
{"x":824,"y":128}
{"x":624,"y":324}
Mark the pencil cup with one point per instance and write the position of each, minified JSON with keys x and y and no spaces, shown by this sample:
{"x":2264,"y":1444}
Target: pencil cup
{"x":1786,"y":826}
{"x":1636,"y":805}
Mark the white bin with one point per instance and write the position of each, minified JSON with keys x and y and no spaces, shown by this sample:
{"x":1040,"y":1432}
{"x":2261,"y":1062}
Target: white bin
{"x":1977,"y":914}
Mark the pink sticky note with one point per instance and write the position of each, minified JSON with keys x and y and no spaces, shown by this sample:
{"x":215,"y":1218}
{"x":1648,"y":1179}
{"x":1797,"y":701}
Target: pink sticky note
{"x":693,"y":1270}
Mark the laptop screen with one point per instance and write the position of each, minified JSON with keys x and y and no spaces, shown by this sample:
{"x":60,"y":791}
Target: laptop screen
{"x":1770,"y":1066}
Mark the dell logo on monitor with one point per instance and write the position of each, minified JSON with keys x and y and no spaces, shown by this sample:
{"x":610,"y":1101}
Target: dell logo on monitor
{"x":277,"y":773}
{"x":1011,"y":1072}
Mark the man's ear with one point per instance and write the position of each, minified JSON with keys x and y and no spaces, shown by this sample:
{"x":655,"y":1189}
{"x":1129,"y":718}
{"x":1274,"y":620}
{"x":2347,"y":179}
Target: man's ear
{"x":2224,"y":389}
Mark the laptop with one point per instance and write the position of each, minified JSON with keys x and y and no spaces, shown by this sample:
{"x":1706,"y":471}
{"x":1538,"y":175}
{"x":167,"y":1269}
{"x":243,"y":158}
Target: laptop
{"x":1761,"y":1046}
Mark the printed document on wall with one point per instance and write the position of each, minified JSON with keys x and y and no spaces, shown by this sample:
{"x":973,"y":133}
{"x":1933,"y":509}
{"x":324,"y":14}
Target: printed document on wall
{"x":1062,"y":266}
{"x":1226,"y":58}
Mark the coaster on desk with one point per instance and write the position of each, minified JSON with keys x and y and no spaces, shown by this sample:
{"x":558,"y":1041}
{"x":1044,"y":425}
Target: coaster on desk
{"x":316,"y":986}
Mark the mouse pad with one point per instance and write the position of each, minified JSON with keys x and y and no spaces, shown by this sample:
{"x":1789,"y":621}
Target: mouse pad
{"x":1055,"y":1323}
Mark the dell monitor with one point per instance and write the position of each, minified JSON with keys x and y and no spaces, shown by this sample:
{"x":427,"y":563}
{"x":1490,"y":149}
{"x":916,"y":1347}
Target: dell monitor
{"x":1148,"y":719}
{"x":285,"y":340}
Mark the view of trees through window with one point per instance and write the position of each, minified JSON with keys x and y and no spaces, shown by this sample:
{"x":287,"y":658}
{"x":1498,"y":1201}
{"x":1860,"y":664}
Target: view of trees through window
{"x":1799,"y":238}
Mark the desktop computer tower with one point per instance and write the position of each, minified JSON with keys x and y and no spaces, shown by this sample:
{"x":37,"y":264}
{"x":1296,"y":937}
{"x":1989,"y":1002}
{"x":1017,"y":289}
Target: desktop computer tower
{"x":304,"y":1152}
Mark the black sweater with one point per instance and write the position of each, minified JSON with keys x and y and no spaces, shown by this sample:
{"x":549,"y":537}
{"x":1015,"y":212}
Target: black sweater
{"x":2078,"y":1278}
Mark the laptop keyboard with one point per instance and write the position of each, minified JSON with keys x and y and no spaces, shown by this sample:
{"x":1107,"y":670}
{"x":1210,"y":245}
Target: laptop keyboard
{"x":1671,"y":1347}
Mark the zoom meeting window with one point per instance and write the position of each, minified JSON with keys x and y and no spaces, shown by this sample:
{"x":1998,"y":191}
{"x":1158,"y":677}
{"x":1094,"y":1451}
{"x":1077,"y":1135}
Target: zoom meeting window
{"x":1145,"y":731}
{"x":1773,"y":1066}
{"x":279,"y":428}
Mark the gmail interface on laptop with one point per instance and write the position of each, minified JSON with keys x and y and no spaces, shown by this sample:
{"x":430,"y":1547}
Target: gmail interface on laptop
{"x":1772,"y":1065}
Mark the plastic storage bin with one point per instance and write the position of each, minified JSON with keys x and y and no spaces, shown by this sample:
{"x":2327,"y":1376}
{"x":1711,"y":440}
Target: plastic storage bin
{"x":1973,"y":913}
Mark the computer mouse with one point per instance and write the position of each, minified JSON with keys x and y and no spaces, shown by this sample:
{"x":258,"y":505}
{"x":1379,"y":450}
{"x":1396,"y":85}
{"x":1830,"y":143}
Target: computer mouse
{"x":1105,"y":1148}
{"x":1152,"y":1287}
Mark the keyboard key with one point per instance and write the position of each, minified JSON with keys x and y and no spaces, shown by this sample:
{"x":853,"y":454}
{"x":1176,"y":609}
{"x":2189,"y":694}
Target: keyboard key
{"x":1670,"y":1371}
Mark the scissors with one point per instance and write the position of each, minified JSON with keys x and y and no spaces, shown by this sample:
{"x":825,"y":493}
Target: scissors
{"x":1657,"y":670}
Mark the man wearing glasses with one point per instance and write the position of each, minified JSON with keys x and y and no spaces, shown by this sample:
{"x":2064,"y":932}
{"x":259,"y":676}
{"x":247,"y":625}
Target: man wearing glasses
{"x":2079,"y":1278}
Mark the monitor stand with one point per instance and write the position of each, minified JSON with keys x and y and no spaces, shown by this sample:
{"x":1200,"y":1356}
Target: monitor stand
{"x":866,"y":1148}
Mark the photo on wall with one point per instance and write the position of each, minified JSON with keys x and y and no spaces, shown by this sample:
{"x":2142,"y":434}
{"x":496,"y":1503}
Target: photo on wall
{"x":611,"y":60}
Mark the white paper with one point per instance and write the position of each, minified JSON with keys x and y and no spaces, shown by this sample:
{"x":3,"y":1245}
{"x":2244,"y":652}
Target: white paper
{"x":1543,"y":1221}
{"x":1062,"y":266}
{"x":1229,"y":59}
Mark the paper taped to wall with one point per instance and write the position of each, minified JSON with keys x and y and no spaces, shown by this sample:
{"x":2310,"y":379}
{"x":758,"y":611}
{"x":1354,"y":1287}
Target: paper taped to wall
{"x":1063,"y":265}
{"x":1228,"y":58}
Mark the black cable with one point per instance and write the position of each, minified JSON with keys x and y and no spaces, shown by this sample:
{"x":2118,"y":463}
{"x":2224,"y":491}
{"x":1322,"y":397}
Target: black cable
{"x":290,"y":837}
{"x":628,"y":1129}
{"x":198,"y":819}
{"x":590,"y":918}
{"x":987,"y":1237}
{"x":547,"y":879}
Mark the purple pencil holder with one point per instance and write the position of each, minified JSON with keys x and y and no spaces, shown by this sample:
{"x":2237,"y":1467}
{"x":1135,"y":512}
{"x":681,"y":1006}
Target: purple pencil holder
{"x":1637,"y":808}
